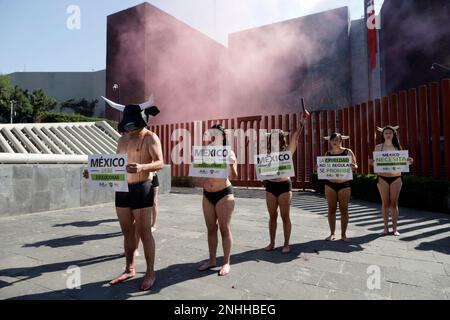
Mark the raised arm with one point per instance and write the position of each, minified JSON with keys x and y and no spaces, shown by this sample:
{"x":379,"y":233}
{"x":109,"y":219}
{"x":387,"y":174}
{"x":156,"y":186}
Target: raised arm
{"x":297,"y":133}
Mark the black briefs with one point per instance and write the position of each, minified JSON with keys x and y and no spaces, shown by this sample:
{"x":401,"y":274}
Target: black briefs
{"x":139,"y":196}
{"x":155,"y":181}
{"x":337,"y":186}
{"x":389,"y":180}
{"x":214,"y":197}
{"x":278,"y":188}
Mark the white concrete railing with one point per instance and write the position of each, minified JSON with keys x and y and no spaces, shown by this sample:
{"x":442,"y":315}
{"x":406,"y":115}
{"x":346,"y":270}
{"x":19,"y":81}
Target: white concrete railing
{"x":55,"y":142}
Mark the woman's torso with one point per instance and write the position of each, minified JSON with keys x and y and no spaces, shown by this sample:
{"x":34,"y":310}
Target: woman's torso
{"x":343,"y":153}
{"x":383,"y":147}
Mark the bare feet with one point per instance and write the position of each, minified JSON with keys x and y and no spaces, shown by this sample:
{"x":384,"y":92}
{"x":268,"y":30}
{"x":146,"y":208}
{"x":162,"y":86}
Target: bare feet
{"x":269,"y":247}
{"x":206,"y":266}
{"x":148,"y":282}
{"x":286,"y":249}
{"x":396,"y":233}
{"x":345,"y":239}
{"x":331,"y":238}
{"x":224,"y":270}
{"x":123,"y":277}
{"x":385,"y":232}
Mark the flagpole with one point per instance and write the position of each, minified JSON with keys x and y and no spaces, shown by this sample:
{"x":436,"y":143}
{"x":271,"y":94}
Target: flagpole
{"x":369,"y":70}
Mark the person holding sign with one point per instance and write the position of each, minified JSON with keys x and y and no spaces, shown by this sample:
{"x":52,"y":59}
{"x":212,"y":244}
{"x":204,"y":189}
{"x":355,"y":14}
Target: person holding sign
{"x":218,"y":206}
{"x":279,"y":190}
{"x":338,"y":190}
{"x":389,"y":183}
{"x":133,"y":208}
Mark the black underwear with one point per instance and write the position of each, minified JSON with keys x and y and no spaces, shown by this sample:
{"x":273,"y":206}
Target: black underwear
{"x":155,"y":181}
{"x":278,"y":188}
{"x":139,"y":196}
{"x":337,"y":186}
{"x":214,"y":197}
{"x":389,"y":180}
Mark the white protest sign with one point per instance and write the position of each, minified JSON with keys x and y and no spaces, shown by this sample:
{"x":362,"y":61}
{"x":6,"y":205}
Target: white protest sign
{"x":210,"y":162}
{"x":273,"y":166}
{"x":391,"y":161}
{"x":108,"y":172}
{"x":335,"y":168}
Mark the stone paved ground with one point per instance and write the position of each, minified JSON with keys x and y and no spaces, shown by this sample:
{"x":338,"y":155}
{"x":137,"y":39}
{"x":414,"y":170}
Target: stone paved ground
{"x":38,"y":248}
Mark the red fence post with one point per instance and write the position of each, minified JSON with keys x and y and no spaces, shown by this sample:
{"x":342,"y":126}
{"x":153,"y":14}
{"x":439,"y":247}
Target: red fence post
{"x":393,"y":110}
{"x":333,"y":121}
{"x":310,"y":149}
{"x":295,"y":156}
{"x":371,"y":131}
{"x":403,"y":117}
{"x":385,"y":112}
{"x":412,"y":130}
{"x":446,"y":121}
{"x":435,"y":129}
{"x":351,"y":124}
{"x":325,"y":131}
{"x":317,"y":145}
{"x":364,"y":161}
{"x":424,"y":130}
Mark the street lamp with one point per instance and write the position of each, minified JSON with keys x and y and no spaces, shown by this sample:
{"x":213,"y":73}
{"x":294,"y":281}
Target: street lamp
{"x":116,"y":87}
{"x":12,"y":110}
{"x":434,"y":65}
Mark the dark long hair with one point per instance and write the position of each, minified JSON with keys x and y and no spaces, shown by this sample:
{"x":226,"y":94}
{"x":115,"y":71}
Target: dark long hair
{"x":336,"y":135}
{"x":222,"y":130}
{"x":282,"y":141}
{"x":395,"y":140}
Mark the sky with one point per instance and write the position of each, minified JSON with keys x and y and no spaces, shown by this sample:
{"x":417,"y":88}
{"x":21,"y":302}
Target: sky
{"x":34,"y":35}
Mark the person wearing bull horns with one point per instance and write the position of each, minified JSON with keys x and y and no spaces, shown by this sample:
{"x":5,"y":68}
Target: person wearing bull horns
{"x":338,"y":191}
{"x":389,"y":184}
{"x":133,"y":208}
{"x":279,"y":191}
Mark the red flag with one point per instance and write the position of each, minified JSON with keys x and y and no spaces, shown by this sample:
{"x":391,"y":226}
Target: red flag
{"x":372,"y":47}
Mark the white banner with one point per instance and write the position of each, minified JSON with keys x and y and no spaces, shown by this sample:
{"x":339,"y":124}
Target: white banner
{"x":108,"y":172}
{"x":210,"y":162}
{"x":274,"y":166}
{"x":391,"y":161}
{"x":335,"y":168}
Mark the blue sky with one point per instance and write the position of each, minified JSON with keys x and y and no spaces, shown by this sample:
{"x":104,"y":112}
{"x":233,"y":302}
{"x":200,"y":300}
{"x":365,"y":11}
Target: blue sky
{"x":34,"y":35}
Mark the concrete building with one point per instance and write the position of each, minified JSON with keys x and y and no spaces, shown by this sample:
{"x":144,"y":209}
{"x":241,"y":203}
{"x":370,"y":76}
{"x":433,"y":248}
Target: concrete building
{"x":63,"y":86}
{"x":264,"y":70}
{"x":149,"y":51}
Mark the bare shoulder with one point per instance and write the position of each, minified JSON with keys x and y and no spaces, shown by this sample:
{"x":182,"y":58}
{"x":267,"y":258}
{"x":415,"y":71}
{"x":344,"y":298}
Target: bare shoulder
{"x":350,"y":151}
{"x":378,"y":147}
{"x":151,"y":137}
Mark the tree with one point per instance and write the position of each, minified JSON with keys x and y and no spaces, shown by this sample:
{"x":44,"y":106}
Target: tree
{"x":6,"y":91}
{"x":22,"y":107}
{"x":41,"y":104}
{"x":83,"y":106}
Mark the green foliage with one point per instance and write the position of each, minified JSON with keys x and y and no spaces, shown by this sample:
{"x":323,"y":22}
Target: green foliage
{"x":41,"y":104}
{"x":37,"y":106}
{"x":424,"y":193}
{"x":83,"y":106}
{"x":27,"y":107}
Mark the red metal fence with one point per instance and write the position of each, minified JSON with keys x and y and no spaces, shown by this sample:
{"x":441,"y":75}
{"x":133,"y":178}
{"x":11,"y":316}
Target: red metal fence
{"x":423,"y":115}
